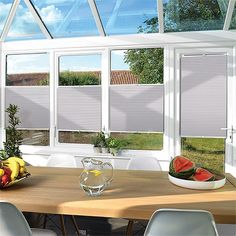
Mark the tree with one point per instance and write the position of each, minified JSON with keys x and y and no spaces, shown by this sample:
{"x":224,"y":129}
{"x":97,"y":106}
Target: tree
{"x":147,"y":64}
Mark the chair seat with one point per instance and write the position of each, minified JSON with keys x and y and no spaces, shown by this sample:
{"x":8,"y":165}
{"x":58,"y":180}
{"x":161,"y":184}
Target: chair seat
{"x":42,"y":232}
{"x":180,"y":222}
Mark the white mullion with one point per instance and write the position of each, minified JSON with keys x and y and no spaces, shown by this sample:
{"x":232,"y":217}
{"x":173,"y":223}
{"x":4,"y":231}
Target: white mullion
{"x":9,"y":20}
{"x":3,"y":79}
{"x":55,"y":88}
{"x":96,"y":17}
{"x":106,"y":71}
{"x":52,"y":99}
{"x":229,"y":14}
{"x":160,"y":16}
{"x":38,"y":19}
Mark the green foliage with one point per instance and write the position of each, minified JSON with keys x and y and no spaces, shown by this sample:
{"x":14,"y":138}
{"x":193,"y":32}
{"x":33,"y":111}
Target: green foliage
{"x":71,"y":78}
{"x":189,"y":15}
{"x":147,"y":64}
{"x":100,"y":140}
{"x":114,"y":143}
{"x":13,"y":136}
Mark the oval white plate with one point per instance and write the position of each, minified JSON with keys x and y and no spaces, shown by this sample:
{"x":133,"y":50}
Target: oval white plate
{"x":197,"y":184}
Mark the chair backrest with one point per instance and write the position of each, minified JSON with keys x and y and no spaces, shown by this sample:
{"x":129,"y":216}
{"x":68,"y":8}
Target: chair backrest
{"x":179,"y":222}
{"x":144,"y":163}
{"x":61,"y":160}
{"x":12,"y":221}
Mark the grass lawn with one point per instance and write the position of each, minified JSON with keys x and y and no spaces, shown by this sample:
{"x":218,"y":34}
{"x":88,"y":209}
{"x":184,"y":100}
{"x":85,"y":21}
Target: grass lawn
{"x":207,"y":152}
{"x":140,"y":141}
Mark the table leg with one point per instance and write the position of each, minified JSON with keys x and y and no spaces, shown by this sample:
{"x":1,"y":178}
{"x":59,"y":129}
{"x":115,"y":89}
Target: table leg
{"x":63,"y":227}
{"x":129,"y":228}
{"x":75,"y":224}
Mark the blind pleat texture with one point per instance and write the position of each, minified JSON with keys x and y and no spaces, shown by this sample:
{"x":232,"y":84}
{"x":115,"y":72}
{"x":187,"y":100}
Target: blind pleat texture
{"x":136,"y":108}
{"x":33,"y":103}
{"x":203,"y":95}
{"x":79,"y":108}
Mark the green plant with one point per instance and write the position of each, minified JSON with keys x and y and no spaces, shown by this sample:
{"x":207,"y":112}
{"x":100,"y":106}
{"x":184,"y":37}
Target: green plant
{"x":13,"y":136}
{"x":114,"y":143}
{"x":100,"y":140}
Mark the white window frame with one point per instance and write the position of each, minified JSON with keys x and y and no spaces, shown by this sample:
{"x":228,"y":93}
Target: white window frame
{"x":230,"y":93}
{"x":171,"y":43}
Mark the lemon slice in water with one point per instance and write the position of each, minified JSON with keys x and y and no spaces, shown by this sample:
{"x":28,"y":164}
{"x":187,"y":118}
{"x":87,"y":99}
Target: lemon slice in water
{"x":95,"y":172}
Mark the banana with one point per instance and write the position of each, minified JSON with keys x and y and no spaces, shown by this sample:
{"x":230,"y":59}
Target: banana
{"x":14,"y":166}
{"x":19,"y":160}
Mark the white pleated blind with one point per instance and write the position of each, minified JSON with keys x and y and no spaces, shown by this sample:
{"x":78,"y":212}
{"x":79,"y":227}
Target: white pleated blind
{"x":203,"y":95}
{"x":34,"y":105}
{"x":79,"y":108}
{"x":136,"y":108}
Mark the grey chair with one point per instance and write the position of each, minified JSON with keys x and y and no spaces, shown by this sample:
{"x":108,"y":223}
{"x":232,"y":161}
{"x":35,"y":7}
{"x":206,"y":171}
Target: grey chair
{"x":13,"y":222}
{"x":144,"y":163}
{"x":179,"y":222}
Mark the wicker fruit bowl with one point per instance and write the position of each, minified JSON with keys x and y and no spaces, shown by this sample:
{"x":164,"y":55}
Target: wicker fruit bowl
{"x":12,"y":171}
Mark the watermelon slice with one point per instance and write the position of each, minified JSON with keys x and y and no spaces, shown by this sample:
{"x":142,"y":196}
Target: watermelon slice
{"x":181,"y":167}
{"x":202,"y":174}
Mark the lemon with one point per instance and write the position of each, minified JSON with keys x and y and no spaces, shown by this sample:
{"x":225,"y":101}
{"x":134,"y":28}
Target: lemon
{"x":95,"y":172}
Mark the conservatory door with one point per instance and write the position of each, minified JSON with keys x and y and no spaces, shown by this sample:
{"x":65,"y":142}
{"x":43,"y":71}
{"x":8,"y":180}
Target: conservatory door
{"x":204,"y":105}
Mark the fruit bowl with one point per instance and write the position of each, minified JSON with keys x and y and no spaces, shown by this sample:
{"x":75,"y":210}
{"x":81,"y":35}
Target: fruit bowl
{"x":12,"y":170}
{"x":15,"y":181}
{"x":201,"y":185}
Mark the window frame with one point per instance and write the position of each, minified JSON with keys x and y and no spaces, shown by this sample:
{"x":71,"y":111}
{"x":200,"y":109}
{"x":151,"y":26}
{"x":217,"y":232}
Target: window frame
{"x":171,"y":43}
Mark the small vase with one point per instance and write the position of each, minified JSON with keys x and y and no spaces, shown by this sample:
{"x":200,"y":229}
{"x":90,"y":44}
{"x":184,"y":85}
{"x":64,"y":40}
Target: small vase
{"x":105,"y":150}
{"x":114,"y":151}
{"x":97,"y":149}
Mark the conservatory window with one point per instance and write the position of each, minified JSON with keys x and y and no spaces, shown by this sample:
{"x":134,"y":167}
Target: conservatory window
{"x":67,"y":18}
{"x":24,"y":25}
{"x":233,"y":22}
{"x":203,"y":109}
{"x":26,"y":76}
{"x":137,"y":97}
{"x":127,"y":17}
{"x":194,"y":15}
{"x":79,"y":98}
{"x":5,"y":6}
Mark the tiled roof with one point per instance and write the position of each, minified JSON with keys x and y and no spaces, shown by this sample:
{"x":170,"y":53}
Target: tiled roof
{"x":117,"y":77}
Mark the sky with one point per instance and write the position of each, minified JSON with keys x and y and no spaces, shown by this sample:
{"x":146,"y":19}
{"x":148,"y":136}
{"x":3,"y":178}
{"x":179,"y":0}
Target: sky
{"x":70,"y":18}
{"x":36,"y":63}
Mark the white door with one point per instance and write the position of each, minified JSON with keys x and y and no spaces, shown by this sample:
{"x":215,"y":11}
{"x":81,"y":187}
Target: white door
{"x":205,"y":106}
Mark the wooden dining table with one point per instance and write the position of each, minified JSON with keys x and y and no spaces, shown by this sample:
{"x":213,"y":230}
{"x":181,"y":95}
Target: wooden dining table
{"x":131,"y":195}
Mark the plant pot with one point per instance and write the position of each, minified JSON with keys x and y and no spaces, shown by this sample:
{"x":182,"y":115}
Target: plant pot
{"x":114,"y":151}
{"x":97,"y":149}
{"x":105,"y":150}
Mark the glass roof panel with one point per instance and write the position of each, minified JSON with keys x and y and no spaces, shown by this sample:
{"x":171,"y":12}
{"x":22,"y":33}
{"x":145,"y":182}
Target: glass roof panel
{"x":67,"y":18}
{"x":194,"y":15}
{"x":5,"y":6}
{"x":128,"y":17}
{"x":24,"y":26}
{"x":233,"y":21}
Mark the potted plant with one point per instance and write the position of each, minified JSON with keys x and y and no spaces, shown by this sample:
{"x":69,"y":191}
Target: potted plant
{"x":114,"y":146}
{"x":96,"y":144}
{"x":13,"y":136}
{"x":100,"y":143}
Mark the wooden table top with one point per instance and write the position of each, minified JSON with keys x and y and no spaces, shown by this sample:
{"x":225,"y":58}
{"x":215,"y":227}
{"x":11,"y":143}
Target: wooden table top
{"x":131,"y":195}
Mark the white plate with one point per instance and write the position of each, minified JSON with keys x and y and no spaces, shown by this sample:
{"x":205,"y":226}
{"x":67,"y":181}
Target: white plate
{"x":197,"y":184}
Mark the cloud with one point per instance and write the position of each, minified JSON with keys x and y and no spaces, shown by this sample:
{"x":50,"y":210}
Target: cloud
{"x":27,"y":63}
{"x":50,"y":14}
{"x":5,"y":8}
